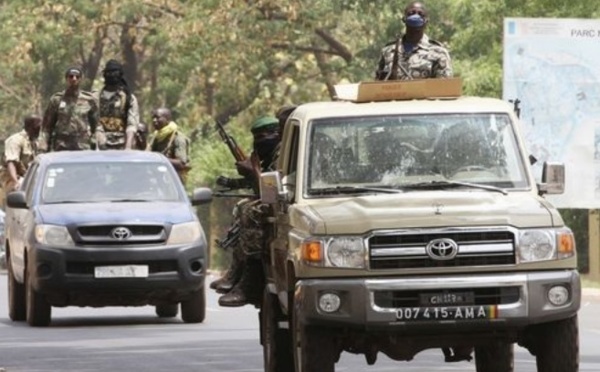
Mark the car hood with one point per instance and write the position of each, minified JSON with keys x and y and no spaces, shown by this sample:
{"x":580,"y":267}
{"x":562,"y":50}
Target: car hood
{"x":115,"y":213}
{"x":359,"y":215}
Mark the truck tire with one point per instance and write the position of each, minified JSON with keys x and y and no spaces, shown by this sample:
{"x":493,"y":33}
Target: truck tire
{"x":313,"y":348}
{"x":276,"y":342}
{"x":557,"y":346}
{"x":167,"y":310}
{"x":193,"y":310}
{"x":16,"y":297}
{"x":495,"y":357}
{"x":37,"y":308}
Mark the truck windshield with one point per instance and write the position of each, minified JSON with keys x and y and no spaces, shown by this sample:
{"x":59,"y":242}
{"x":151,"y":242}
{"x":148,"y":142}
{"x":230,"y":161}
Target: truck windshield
{"x":108,"y":182}
{"x":408,"y":150}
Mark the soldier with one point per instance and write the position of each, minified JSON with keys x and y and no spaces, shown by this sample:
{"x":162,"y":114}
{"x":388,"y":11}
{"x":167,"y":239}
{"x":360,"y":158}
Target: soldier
{"x":71,"y":117}
{"x":414,"y":55}
{"x":140,"y":139}
{"x":19,"y":151}
{"x":168,"y":140}
{"x":119,"y":112}
{"x":244,"y":281}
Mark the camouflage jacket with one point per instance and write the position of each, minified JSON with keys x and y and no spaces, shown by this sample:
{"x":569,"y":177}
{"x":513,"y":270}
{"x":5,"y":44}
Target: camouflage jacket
{"x":428,"y":59}
{"x":117,"y":116}
{"x":175,"y":146}
{"x":70,"y":121}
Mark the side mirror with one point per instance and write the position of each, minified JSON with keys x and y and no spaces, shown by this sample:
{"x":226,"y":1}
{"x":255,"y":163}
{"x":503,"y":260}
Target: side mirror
{"x":271,"y":189}
{"x":16,"y":200}
{"x":201,"y":195}
{"x":553,"y":179}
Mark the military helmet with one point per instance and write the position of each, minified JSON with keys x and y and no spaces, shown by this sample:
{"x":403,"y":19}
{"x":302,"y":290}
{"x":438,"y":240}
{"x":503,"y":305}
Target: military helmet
{"x":265,"y":124}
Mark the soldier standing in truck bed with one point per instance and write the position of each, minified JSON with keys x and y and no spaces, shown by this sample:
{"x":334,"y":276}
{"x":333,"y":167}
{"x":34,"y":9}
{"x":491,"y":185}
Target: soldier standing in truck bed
{"x":71,"y":118}
{"x":413,"y":55}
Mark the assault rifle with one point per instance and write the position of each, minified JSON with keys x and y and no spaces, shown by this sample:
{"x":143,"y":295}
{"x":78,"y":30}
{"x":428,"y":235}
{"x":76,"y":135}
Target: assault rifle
{"x":393,"y":75}
{"x":232,"y":237}
{"x":236,"y":151}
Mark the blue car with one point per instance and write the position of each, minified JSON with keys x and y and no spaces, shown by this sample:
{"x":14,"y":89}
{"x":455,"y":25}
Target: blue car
{"x":104,"y":228}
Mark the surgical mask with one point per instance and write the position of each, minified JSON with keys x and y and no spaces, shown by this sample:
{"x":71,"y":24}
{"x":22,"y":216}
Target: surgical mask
{"x":414,"y":21}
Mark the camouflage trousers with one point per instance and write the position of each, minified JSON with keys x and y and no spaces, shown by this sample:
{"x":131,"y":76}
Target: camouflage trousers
{"x":252,"y":214}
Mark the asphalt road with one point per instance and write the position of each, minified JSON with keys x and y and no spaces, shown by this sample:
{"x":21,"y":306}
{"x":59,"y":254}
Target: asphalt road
{"x":134,"y":339}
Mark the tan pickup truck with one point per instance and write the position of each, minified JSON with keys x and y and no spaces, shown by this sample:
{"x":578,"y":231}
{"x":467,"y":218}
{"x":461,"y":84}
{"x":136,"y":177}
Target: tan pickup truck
{"x":405,"y":225}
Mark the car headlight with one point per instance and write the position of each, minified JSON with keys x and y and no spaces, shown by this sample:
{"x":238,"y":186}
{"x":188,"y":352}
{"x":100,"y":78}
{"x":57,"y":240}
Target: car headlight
{"x":339,"y":251}
{"x":545,"y":244}
{"x":53,"y":235}
{"x":185,"y":233}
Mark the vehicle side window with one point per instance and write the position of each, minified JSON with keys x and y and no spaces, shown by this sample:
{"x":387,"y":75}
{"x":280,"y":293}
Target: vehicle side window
{"x":292,"y":163}
{"x":29,"y":182}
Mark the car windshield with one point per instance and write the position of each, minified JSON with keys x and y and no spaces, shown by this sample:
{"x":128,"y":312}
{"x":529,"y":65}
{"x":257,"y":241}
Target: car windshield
{"x":414,"y":152}
{"x":108,"y":182}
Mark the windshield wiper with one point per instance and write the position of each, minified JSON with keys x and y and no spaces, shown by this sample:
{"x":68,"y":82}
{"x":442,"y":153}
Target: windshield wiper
{"x":351,"y":190}
{"x":445,"y":184}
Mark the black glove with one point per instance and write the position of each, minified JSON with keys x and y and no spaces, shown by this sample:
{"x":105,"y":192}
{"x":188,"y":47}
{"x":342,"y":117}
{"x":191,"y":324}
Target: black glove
{"x":223,"y":181}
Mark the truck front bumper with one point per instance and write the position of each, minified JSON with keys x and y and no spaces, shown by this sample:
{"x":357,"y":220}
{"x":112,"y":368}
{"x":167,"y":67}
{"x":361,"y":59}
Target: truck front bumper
{"x":360,"y":306}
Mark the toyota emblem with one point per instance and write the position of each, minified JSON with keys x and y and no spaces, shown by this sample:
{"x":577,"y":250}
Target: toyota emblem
{"x":442,"y":249}
{"x":121,"y":233}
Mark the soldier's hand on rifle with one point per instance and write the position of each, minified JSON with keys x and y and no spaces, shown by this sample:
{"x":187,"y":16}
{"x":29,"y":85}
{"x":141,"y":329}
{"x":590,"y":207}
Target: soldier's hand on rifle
{"x":245,"y":168}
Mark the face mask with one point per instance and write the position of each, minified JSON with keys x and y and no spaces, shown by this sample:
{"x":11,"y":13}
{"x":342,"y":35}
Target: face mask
{"x":112,"y":78}
{"x":414,"y":21}
{"x":265,"y":147}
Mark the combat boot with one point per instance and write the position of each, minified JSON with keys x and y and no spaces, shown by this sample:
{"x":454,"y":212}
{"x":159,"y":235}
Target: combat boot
{"x":248,"y":289}
{"x":236,"y":268}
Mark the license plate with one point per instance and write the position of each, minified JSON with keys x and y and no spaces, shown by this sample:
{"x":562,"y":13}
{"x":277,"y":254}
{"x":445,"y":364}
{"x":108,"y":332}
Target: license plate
{"x":447,"y":313}
{"x":447,"y":298}
{"x":123,"y":271}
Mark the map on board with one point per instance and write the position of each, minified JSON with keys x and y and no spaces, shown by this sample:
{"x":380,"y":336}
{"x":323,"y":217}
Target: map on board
{"x":553,"y":67}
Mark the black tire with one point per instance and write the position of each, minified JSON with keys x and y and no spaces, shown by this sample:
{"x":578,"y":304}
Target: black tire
{"x":38,"y":311}
{"x":276,"y":342}
{"x":557,"y":346}
{"x":495,"y":357}
{"x":167,"y":310}
{"x":313,"y":348}
{"x":194,"y":309}
{"x":17,"y":310}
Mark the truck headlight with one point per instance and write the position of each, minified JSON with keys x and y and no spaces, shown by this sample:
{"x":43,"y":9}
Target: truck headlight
{"x":185,"y":233}
{"x":53,"y":235}
{"x":338,"y":251}
{"x":545,"y":244}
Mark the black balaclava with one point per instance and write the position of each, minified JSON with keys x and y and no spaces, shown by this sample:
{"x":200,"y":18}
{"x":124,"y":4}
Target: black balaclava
{"x":113,"y":73}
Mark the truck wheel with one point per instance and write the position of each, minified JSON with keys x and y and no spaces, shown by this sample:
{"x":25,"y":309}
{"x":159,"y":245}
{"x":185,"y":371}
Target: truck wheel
{"x":37,"y":308}
{"x":193,"y":310}
{"x":167,"y":310}
{"x":557,"y":346}
{"x":277,"y":343}
{"x":495,"y":357}
{"x":16,"y":297}
{"x":314,"y":348}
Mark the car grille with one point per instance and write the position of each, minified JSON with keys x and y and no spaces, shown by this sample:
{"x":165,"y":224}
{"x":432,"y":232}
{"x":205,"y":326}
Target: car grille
{"x":104,"y":234}
{"x":408,"y":249}
{"x":479,"y":296}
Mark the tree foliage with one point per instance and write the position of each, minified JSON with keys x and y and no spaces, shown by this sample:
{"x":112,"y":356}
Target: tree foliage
{"x":233,"y":60}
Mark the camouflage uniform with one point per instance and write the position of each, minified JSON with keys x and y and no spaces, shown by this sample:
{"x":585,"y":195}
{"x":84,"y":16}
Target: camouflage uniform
{"x":428,"y":59}
{"x":69,"y":122}
{"x":19,"y":149}
{"x":117,"y":117}
{"x":175,"y":146}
